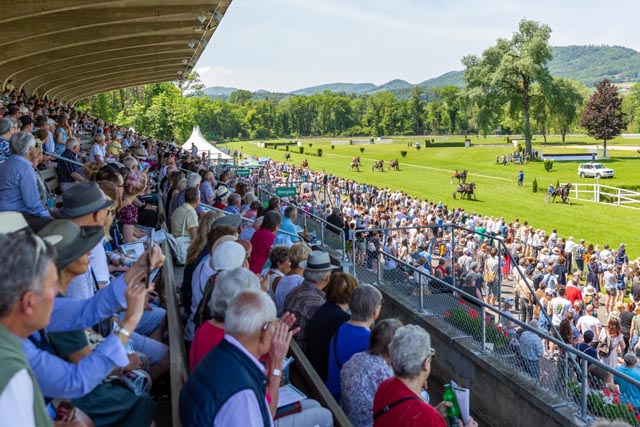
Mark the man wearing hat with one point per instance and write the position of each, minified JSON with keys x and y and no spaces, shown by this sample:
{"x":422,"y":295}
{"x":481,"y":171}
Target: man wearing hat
{"x":221,"y":196}
{"x":304,"y":300}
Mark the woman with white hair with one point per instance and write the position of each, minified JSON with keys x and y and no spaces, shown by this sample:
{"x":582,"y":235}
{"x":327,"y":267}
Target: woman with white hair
{"x":398,"y":401}
{"x":228,"y":284}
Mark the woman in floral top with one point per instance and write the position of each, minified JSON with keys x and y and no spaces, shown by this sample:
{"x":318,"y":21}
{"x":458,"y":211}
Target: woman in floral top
{"x":127,"y":216}
{"x":363,"y":373}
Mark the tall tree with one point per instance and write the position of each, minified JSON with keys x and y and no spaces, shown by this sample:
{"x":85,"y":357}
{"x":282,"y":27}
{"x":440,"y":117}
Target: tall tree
{"x":566,"y":100}
{"x":509,"y":69}
{"x":416,"y":110}
{"x":603,"y":117}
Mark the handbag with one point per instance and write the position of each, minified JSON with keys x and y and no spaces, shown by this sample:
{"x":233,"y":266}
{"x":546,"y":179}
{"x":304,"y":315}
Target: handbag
{"x":604,"y":347}
{"x":489,"y":276}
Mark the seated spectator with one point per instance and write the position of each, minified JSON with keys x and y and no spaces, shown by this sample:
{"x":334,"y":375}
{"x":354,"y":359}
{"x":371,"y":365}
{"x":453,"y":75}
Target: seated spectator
{"x":184,"y":221}
{"x":410,"y":353}
{"x":629,"y":393}
{"x":262,"y":241}
{"x":222,"y":194}
{"x":353,"y":336}
{"x":233,"y":204}
{"x":297,"y":254}
{"x":18,"y":182}
{"x":134,"y":186}
{"x":211,"y":332}
{"x":98,"y":152}
{"x":69,"y":172}
{"x":8,"y":127}
{"x":327,"y":319}
{"x":306,"y":298}
{"x":364,"y":372}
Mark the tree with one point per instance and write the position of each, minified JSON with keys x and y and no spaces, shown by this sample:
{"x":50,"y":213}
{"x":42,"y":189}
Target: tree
{"x":451,"y":104}
{"x":566,"y":99}
{"x":511,"y":68}
{"x":416,"y":110}
{"x":603,"y":117}
{"x":191,"y":85}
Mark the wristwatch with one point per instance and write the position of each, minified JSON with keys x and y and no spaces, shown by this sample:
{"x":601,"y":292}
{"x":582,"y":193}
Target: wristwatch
{"x":120,"y":330}
{"x":276,"y":372}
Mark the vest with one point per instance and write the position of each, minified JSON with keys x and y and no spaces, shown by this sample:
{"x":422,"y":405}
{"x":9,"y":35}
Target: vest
{"x":13,"y":361}
{"x":225,"y":371}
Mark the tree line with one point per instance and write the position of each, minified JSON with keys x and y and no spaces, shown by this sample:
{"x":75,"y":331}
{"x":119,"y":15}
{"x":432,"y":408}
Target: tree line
{"x":508,"y":91}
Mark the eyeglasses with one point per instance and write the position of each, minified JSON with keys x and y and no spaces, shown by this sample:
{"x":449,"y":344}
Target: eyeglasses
{"x":266,"y":324}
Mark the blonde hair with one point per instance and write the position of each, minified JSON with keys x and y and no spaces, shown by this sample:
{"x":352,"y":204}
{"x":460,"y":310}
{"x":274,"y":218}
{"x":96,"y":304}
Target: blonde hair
{"x":200,"y":240}
{"x":90,"y":170}
{"x":135,"y":184}
{"x":297,"y":253}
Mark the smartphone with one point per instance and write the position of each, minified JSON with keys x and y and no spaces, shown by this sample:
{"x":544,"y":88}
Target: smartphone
{"x":150,"y":237}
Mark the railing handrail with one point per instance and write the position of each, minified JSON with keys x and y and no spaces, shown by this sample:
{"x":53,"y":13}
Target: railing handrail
{"x":570,"y":349}
{"x":58,"y":157}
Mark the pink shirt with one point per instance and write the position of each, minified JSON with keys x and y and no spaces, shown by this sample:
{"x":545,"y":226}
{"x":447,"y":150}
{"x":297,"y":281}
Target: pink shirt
{"x":261,"y":241}
{"x":206,"y":338}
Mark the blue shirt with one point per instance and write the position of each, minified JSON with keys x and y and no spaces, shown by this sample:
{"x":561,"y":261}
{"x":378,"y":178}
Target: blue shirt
{"x":58,"y":378}
{"x":19,"y":188}
{"x":288,"y":226}
{"x":351,"y":340}
{"x":629,"y":393}
{"x":5,"y":152}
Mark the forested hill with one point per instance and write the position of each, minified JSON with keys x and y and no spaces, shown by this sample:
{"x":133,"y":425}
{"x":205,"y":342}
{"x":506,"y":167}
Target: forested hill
{"x":587,"y":64}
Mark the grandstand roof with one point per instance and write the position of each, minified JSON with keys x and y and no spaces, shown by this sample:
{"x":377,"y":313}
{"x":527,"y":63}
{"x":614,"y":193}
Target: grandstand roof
{"x":68,"y":50}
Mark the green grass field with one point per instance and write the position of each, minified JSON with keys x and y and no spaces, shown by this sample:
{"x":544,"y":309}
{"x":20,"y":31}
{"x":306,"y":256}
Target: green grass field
{"x":426,"y":173}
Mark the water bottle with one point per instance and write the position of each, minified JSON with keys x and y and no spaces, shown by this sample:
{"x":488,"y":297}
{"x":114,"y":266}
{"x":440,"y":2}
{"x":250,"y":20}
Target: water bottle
{"x":314,"y":235}
{"x":453,"y":411}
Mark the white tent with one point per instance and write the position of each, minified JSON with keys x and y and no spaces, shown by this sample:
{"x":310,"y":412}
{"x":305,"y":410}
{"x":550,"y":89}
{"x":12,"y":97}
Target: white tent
{"x":205,"y":147}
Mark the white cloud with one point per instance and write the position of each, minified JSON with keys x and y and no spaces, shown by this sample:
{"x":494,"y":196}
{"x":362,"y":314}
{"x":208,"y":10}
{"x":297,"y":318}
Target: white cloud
{"x":214,"y":76}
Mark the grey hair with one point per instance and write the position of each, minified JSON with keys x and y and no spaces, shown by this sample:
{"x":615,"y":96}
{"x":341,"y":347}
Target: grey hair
{"x":233,"y":199}
{"x":129,"y":162}
{"x":363,"y":302}
{"x":249,"y":197}
{"x":230,"y":283}
{"x":193,"y":179}
{"x":99,"y":137}
{"x":533,"y":323}
{"x":315,"y":276}
{"x":409,"y":349}
{"x":21,"y":142}
{"x":72,"y":143}
{"x":18,"y":252}
{"x":248,"y":312}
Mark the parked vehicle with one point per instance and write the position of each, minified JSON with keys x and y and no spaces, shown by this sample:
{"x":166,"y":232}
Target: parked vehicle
{"x":594,"y":170}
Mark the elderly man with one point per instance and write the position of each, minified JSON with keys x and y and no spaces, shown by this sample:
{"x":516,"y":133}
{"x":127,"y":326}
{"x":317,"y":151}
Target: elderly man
{"x":207,"y":195}
{"x":532,"y":350}
{"x":230,"y":383}
{"x":18,"y":182}
{"x":8,"y":127}
{"x":70,"y":171}
{"x":304,"y":299}
{"x":290,"y":216}
{"x":233,"y":204}
{"x":629,"y":393}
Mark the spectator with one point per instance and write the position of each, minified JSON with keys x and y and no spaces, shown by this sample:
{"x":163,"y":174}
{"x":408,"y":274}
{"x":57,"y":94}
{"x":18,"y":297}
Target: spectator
{"x":353,"y":336}
{"x":210,"y":333}
{"x":613,"y":339}
{"x":629,"y":393}
{"x":626,"y":319}
{"x":491,"y":275}
{"x":635,"y":326}
{"x":531,"y":350}
{"x":288,"y":220}
{"x":63,"y":132}
{"x":221,"y":197}
{"x":327,"y":319}
{"x":364,"y":372}
{"x":184,"y":221}
{"x":589,"y":322}
{"x":306,"y":298}
{"x":69,"y":172}
{"x":586,"y":345}
{"x":297,"y":254}
{"x":558,"y":308}
{"x":233,"y":204}
{"x":262,"y":241}
{"x":572,"y":292}
{"x":18,"y":182}
{"x":98,"y":152}
{"x":8,"y":127}
{"x":134,"y":186}
{"x":410,"y":353}
{"x":207,"y":194}
{"x":280,"y":267}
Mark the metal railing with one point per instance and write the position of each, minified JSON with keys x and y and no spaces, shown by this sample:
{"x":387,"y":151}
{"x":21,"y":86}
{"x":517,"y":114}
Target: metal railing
{"x":572,"y":376}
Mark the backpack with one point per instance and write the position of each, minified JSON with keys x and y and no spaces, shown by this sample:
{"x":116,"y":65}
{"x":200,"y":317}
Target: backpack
{"x":604,"y":347}
{"x":489,"y":276}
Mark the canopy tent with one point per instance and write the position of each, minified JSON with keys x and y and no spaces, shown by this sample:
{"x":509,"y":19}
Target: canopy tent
{"x":205,"y":146}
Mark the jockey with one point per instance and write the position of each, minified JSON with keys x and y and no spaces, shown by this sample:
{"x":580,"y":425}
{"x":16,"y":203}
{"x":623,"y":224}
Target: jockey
{"x":551,"y":189}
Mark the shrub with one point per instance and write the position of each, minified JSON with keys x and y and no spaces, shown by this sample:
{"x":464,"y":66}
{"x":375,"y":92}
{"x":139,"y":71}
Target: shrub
{"x":301,"y":150}
{"x":548,"y":165}
{"x":286,"y":148}
{"x":333,"y":147}
{"x":319,"y":152}
{"x":557,"y":183}
{"x":403,"y":153}
{"x":310,"y":145}
{"x":418,"y":148}
{"x":534,"y":185}
{"x":362,"y":149}
{"x":351,"y":142}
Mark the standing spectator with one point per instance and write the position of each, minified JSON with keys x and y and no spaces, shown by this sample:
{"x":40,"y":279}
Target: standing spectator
{"x":364,"y":372}
{"x":635,"y":327}
{"x":520,"y":178}
{"x":629,"y":393}
{"x":262,"y":241}
{"x":207,"y":194}
{"x":532,"y":350}
{"x":610,"y":288}
{"x":63,"y":132}
{"x":491,"y":275}
{"x":612,"y":337}
{"x":626,"y":319}
{"x":572,"y":292}
{"x":353,"y":336}
{"x":558,"y":308}
{"x":297,"y":254}
{"x":327,"y":319}
{"x":525,"y":298}
{"x":288,"y":225}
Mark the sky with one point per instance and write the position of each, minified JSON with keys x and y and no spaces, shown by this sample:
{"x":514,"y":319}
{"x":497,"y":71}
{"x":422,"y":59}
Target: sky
{"x":284,"y":45}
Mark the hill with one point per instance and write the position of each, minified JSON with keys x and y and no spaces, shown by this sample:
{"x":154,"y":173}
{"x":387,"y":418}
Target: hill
{"x":587,"y":64}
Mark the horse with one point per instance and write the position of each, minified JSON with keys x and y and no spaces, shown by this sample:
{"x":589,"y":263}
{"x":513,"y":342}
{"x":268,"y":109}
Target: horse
{"x":563,"y":192}
{"x":355,"y":164}
{"x":305,"y":163}
{"x":394,"y":164}
{"x":378,"y":165}
{"x":460,"y":176}
{"x":466,"y":190}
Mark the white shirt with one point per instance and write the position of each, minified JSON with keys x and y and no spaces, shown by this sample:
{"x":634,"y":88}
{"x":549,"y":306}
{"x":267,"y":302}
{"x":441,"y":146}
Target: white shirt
{"x":97,"y":150}
{"x":16,"y":401}
{"x":587,"y":322}
{"x":82,"y":286}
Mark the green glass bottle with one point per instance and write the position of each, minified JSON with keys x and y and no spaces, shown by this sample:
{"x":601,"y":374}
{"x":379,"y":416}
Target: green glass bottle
{"x":453,"y":411}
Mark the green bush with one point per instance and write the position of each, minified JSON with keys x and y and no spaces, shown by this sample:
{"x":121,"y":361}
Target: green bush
{"x":403,"y":153}
{"x":351,"y":142}
{"x":319,"y":152}
{"x":310,"y":145}
{"x":418,"y":148}
{"x":301,"y":150}
{"x":557,"y":183}
{"x":534,"y":185}
{"x":362,"y":149}
{"x":548,"y":165}
{"x":333,"y":147}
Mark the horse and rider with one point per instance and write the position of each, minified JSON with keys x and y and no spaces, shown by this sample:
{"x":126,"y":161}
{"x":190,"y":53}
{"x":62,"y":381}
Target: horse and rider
{"x":466,"y":190}
{"x":305,"y":163}
{"x":394,"y":164}
{"x":287,"y":156}
{"x":562,"y":191}
{"x":355,"y":164}
{"x":460,"y":176}
{"x":379,"y":164}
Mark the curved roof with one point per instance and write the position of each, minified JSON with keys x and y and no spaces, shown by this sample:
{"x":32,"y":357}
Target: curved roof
{"x":68,"y":50}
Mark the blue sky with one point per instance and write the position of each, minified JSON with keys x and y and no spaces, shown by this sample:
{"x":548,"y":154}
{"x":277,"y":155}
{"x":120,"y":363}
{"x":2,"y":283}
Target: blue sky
{"x":283,"y":45}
